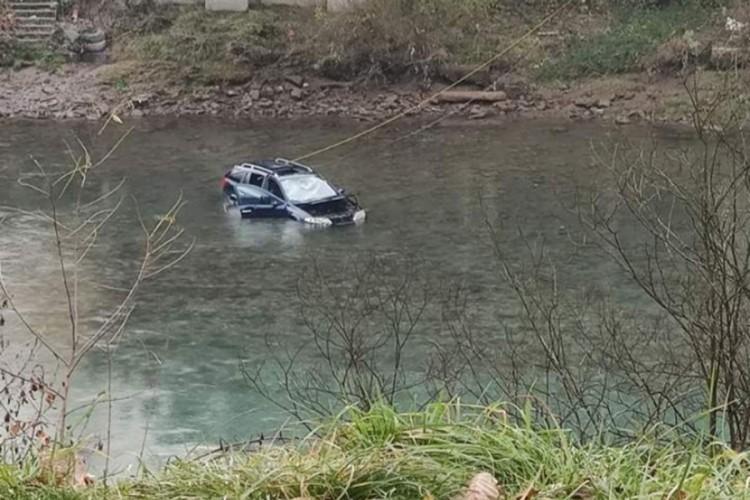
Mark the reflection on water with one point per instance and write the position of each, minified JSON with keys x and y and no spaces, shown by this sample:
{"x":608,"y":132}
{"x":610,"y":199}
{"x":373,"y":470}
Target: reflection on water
{"x":177,"y":367}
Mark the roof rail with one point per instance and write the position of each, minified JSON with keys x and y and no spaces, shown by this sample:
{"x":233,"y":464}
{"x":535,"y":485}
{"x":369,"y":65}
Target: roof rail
{"x":254,"y":166}
{"x":294,"y":163}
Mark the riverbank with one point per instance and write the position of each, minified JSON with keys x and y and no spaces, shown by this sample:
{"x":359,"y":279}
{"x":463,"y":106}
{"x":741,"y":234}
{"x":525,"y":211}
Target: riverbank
{"x":446,"y":451}
{"x":618,"y":64}
{"x":81,"y":91}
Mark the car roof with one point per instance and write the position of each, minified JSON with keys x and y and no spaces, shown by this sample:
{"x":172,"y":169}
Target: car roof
{"x":278,"y":167}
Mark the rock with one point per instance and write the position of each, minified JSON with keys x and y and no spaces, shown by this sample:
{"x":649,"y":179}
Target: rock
{"x":200,"y":96}
{"x":637,"y":115}
{"x":295,"y":80}
{"x":296,"y":94}
{"x":480,"y":113}
{"x":265,"y":103}
{"x":231,"y":93}
{"x":505,"y":106}
{"x":141,"y":100}
{"x":266,"y":92}
{"x":513,"y":85}
{"x":603,"y":103}
{"x":541,"y":106}
{"x":622,"y":120}
{"x":585,"y":102}
{"x":254,"y":94}
{"x":390,"y":101}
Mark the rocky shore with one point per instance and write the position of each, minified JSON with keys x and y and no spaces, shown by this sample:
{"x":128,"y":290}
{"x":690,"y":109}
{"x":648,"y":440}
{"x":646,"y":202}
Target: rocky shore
{"x":76,"y":91}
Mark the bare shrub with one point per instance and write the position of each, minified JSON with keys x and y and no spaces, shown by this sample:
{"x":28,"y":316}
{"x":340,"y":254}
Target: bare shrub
{"x":364,"y":340}
{"x":38,"y":382}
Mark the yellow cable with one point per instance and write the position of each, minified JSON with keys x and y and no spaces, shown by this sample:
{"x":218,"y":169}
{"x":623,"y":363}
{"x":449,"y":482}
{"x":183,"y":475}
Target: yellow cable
{"x":426,"y":101}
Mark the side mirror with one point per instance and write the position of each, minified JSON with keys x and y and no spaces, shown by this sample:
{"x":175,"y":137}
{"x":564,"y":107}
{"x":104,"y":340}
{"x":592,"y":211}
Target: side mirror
{"x":233,"y":197}
{"x":275,"y":202}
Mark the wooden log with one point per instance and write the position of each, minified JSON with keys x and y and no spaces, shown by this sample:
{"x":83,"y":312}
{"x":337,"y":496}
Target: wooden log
{"x":470,"y":95}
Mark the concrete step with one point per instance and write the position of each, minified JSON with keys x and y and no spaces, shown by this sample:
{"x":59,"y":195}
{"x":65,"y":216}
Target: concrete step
{"x":30,"y":21}
{"x":35,"y":30}
{"x":26,"y":8}
{"x":46,"y":13}
{"x":35,"y":20}
{"x":33,"y":4}
{"x":31,"y":38}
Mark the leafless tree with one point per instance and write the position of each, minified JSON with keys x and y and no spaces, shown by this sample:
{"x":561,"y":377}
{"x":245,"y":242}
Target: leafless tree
{"x":76,"y":217}
{"x":362,"y":326}
{"x":694,"y":263}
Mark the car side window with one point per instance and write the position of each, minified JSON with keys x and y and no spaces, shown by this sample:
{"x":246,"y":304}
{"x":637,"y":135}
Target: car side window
{"x":249,"y":195}
{"x":256,"y":179}
{"x":234,"y":176}
{"x":274,"y":188}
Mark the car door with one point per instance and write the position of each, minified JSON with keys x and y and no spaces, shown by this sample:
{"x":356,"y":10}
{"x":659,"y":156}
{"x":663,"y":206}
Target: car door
{"x":252,"y":201}
{"x":273,"y":203}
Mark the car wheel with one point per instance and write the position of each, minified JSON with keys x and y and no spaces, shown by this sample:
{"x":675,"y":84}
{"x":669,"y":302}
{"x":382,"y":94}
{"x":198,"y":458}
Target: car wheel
{"x":95,"y":47}
{"x":94,"y":36}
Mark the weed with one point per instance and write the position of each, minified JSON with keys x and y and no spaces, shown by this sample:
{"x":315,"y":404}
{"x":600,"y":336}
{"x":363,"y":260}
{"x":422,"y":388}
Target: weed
{"x":211,"y":46}
{"x":433,"y":454}
{"x":635,"y":33}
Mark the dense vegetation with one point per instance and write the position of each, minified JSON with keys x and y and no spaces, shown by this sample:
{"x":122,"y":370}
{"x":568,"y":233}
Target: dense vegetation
{"x":433,"y":454}
{"x":389,"y":40}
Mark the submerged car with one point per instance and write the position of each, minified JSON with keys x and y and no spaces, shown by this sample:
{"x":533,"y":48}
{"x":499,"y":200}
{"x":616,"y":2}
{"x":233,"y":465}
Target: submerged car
{"x":286,"y":189}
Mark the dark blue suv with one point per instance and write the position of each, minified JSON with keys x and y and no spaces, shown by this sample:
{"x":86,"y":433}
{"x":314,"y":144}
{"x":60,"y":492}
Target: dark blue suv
{"x":286,"y":189}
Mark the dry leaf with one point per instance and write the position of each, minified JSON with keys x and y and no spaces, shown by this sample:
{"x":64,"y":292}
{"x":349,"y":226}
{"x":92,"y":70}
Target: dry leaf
{"x":483,"y":486}
{"x":584,"y":492}
{"x":116,"y":119}
{"x":50,"y":398}
{"x":528,"y":494}
{"x":64,"y":467}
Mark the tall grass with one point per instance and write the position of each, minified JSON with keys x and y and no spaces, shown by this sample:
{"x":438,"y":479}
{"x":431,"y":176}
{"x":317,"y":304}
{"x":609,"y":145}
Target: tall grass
{"x":634,"y":34}
{"x":433,"y":454}
{"x":206,"y":46}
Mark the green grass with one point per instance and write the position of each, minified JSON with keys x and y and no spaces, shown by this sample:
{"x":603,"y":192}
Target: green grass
{"x":634,"y":34}
{"x":433,"y":454}
{"x":17,"y":56}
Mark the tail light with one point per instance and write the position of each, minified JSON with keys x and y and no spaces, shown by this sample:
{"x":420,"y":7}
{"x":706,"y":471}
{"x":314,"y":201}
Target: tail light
{"x":224,"y":182}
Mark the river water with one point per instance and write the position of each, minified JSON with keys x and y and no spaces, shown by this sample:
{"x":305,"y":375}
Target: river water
{"x":176,"y":372}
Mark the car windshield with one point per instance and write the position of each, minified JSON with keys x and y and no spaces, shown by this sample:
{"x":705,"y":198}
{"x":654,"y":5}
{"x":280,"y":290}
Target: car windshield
{"x":306,"y":188}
